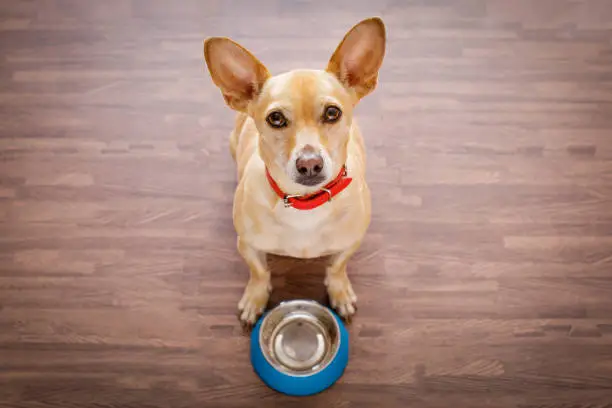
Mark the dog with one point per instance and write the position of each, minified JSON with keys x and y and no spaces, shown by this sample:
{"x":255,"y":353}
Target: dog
{"x":300,"y":159}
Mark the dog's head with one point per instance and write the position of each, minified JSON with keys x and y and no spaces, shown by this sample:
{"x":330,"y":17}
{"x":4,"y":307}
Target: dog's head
{"x":303,"y":116}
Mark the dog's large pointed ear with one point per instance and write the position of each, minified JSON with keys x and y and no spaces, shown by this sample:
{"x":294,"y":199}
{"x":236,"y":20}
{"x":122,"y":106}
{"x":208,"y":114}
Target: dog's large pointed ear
{"x":233,"y":69}
{"x":359,"y":56}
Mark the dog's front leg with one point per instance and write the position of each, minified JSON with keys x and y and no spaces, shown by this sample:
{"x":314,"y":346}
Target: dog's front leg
{"x":339,"y":288}
{"x":257,"y":291}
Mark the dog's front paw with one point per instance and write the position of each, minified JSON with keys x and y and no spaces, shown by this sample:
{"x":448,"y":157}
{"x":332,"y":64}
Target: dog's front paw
{"x":253,"y":302}
{"x":341,"y":295}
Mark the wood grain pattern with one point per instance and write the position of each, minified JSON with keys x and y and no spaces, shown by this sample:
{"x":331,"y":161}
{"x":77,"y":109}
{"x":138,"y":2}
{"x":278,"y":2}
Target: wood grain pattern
{"x":485,"y":278}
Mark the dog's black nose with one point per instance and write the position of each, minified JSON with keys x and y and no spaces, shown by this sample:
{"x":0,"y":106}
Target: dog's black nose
{"x":309,"y":165}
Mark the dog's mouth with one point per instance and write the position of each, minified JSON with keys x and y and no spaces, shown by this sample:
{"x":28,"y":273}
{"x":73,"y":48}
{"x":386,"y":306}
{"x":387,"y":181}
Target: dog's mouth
{"x":310,"y":181}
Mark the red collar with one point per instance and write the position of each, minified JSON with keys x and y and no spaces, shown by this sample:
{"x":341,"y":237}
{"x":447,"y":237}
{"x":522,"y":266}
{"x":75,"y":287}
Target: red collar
{"x":316,"y":199}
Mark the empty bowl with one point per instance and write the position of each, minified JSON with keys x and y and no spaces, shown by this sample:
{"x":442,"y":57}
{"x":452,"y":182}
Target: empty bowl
{"x":299,"y":348}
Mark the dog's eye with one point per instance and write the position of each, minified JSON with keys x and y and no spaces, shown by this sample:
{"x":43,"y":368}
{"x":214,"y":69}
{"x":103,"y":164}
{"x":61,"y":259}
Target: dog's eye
{"x":332,"y":114}
{"x":277,"y":120}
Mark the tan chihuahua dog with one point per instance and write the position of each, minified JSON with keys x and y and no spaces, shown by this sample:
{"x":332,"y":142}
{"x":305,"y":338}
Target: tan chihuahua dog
{"x":300,"y":159}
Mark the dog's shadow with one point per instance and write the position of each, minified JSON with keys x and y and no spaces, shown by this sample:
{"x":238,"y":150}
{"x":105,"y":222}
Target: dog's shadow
{"x":297,"y":279}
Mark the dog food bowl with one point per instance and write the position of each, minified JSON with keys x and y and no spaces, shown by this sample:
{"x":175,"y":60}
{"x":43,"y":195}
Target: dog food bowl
{"x":299,"y":348}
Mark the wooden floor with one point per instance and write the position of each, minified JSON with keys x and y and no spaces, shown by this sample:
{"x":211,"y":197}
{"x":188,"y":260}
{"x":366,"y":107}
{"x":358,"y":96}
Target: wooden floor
{"x":486,"y":275}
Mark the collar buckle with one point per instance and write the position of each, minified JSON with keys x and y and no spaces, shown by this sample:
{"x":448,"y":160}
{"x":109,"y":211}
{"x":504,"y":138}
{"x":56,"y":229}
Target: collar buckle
{"x":287,"y":197}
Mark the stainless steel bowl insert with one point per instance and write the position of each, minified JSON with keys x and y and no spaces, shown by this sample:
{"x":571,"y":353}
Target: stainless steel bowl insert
{"x":299,"y":337}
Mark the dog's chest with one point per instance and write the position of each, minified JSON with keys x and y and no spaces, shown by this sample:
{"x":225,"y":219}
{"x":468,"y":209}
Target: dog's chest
{"x":303,"y":234}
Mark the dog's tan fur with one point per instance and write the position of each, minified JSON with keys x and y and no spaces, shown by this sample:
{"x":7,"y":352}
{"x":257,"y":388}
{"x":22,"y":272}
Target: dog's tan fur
{"x":262,"y":222}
